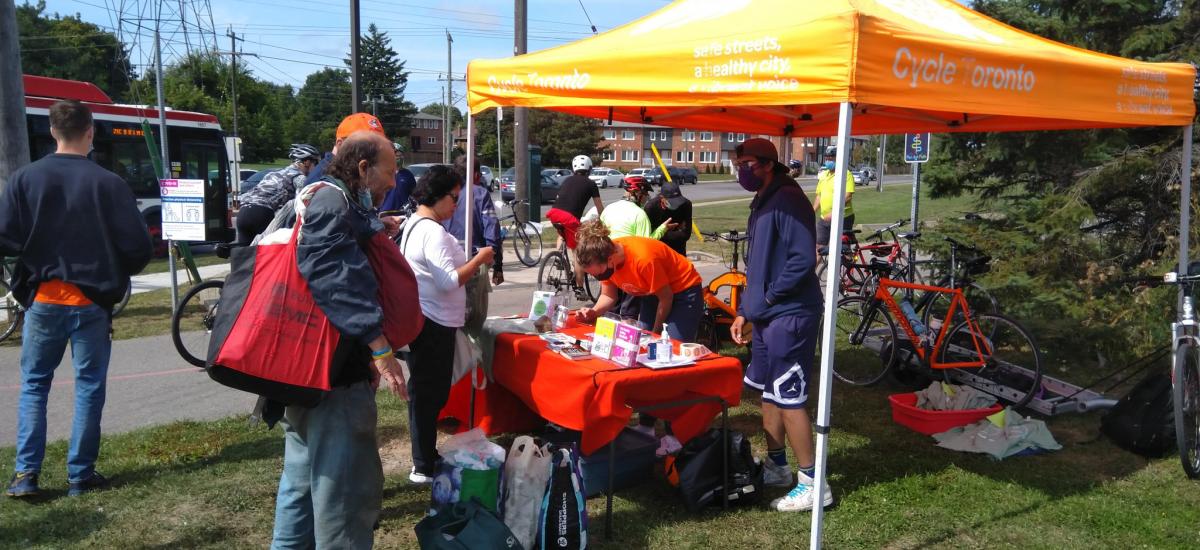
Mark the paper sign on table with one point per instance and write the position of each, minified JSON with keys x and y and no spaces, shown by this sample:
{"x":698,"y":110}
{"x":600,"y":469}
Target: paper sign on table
{"x":626,"y":343}
{"x":602,"y":340}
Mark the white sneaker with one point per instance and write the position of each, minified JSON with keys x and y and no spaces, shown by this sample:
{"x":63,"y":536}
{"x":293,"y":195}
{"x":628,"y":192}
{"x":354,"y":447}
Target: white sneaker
{"x":800,"y":498}
{"x":667,"y":445}
{"x":419,"y":478}
{"x":775,"y":475}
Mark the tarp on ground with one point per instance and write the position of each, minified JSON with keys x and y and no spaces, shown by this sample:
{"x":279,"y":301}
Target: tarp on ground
{"x":781,"y":67}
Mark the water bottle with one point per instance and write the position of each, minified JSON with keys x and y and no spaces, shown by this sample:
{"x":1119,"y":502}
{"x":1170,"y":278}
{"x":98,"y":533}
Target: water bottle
{"x":913,"y":318}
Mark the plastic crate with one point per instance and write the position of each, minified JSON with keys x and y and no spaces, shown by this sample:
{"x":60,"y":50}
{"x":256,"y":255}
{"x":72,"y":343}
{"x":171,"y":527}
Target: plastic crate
{"x":906,"y":413}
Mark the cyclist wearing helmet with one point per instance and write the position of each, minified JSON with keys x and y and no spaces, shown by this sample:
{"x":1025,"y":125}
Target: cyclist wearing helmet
{"x":259,"y":204}
{"x":626,"y":216}
{"x":572,"y":200}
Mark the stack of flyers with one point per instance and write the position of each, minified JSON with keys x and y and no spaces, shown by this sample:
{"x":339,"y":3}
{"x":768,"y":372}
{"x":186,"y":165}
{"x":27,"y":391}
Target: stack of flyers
{"x":626,"y":345}
{"x":602,"y":339}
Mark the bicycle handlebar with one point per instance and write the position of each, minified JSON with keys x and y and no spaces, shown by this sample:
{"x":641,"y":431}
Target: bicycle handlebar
{"x":729,"y":236}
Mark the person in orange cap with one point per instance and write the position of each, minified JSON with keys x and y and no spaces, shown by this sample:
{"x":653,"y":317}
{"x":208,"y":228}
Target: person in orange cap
{"x":353,"y":123}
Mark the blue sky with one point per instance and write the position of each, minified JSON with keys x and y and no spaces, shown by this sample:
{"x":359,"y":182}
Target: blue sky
{"x":294,"y":38}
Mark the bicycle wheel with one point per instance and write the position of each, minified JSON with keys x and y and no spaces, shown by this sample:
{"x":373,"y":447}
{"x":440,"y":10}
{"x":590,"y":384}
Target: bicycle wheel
{"x":192,"y":323}
{"x":527,"y":244}
{"x":978,"y":299}
{"x":868,"y":335}
{"x":120,"y":306}
{"x":10,"y":312}
{"x":593,"y":287}
{"x":1012,"y":367}
{"x":1186,"y":391}
{"x":555,"y":274}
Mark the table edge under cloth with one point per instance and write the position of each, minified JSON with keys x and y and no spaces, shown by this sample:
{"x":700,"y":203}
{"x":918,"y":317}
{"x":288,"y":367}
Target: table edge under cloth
{"x":602,"y":388}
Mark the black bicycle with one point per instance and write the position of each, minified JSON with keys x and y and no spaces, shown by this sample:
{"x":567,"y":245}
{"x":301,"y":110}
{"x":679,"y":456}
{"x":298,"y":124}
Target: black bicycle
{"x":558,"y":275}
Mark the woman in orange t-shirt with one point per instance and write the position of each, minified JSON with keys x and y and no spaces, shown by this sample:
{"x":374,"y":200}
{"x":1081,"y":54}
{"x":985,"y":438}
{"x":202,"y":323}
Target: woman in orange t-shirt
{"x":642,"y":267}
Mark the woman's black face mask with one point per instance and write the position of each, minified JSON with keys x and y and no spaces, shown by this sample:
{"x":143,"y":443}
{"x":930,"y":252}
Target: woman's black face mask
{"x":608,"y":273}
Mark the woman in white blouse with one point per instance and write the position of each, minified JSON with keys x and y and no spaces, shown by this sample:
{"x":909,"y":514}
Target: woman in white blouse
{"x":442,"y":269}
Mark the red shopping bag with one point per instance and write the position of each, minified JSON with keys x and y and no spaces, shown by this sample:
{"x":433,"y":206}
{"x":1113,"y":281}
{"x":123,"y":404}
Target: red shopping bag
{"x":397,"y":296}
{"x":270,"y":338}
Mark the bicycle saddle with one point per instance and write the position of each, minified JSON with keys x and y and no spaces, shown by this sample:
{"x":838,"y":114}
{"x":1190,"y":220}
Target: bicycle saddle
{"x":912,"y":236}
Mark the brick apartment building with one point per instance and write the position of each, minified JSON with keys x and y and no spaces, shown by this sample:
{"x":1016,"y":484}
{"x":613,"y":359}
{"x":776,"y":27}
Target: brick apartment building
{"x":425,"y":140}
{"x":705,"y":150}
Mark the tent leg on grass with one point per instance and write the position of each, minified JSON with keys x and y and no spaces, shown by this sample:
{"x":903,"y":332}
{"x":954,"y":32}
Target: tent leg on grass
{"x":1185,"y":208}
{"x":832,"y":283}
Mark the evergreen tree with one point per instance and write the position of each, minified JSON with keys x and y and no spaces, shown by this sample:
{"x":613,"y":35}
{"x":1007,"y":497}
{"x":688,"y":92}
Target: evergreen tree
{"x":384,"y":78}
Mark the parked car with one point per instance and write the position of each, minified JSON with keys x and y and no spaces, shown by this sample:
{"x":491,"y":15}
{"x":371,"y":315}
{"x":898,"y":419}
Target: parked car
{"x":605,"y":177}
{"x":419,"y":170}
{"x":550,"y":189}
{"x":557,"y":174}
{"x":644,"y":172}
{"x":687,"y":174}
{"x":678,"y":175}
{"x":508,"y":176}
{"x":489,"y":180}
{"x":864,"y":174}
{"x":253,"y":179}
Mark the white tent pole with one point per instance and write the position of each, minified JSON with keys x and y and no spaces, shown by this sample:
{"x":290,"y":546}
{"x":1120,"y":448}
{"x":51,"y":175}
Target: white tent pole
{"x":469,"y":185}
{"x":1185,"y":206}
{"x":832,"y":282}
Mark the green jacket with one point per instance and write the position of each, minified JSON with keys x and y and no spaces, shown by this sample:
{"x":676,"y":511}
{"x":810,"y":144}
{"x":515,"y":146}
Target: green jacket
{"x":624,"y":218}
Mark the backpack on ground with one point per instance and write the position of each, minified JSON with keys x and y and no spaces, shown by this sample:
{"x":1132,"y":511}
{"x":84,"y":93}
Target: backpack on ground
{"x":563,"y":519}
{"x":1143,"y":421}
{"x":697,"y":468}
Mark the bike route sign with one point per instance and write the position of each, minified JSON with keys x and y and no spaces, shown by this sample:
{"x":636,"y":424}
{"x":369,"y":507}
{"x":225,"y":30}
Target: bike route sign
{"x":182,"y":209}
{"x":916,"y":147}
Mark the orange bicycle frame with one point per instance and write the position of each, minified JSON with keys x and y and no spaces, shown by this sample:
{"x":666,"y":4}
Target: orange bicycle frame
{"x":736,"y":280}
{"x":957,"y":302}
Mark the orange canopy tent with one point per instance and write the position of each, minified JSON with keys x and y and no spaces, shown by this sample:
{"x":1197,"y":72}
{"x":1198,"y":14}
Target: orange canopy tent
{"x":821,"y":67}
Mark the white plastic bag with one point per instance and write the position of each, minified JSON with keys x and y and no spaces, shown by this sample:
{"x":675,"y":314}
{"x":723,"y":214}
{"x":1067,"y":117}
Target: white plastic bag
{"x":525,"y":475}
{"x":472,"y":450}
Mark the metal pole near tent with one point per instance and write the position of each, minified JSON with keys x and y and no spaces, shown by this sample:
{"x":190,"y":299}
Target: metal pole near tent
{"x":1185,"y":207}
{"x":470,"y":183}
{"x":832,"y":274}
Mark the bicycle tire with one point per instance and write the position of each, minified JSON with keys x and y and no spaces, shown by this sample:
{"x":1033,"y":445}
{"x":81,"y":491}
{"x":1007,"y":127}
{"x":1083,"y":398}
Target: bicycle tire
{"x":192,"y":321}
{"x":1013,"y":363}
{"x":978,"y":298}
{"x":525,"y":244}
{"x":11,"y":312}
{"x":1185,"y":388}
{"x":871,"y":347}
{"x":120,"y":306}
{"x":554,"y":272}
{"x":592,"y":287}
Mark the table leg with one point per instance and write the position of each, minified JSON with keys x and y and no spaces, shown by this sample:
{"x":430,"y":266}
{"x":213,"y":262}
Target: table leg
{"x":612,"y":459}
{"x":725,"y":455}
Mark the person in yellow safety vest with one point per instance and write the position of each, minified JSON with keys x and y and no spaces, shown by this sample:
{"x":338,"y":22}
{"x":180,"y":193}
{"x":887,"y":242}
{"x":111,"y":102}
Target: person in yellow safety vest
{"x":823,"y":201}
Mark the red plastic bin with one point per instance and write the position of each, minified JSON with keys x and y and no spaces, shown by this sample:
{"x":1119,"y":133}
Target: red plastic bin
{"x":906,"y":413}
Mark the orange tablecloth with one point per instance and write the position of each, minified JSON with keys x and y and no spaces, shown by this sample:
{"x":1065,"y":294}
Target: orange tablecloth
{"x":589,"y":395}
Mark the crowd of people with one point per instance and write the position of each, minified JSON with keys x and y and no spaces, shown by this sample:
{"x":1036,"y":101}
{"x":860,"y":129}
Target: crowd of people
{"x":330,"y":489}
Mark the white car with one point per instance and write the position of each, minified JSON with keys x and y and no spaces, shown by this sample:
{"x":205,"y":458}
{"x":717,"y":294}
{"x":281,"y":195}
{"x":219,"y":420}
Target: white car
{"x":489,"y":179}
{"x":606,"y":177}
{"x":643,"y":172}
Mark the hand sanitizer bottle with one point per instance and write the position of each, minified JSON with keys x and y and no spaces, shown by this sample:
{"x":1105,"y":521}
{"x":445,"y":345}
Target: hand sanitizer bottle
{"x":663,"y":354}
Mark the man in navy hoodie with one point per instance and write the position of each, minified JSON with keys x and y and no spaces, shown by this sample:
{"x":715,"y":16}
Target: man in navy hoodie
{"x":78,"y":236}
{"x":783,"y":302}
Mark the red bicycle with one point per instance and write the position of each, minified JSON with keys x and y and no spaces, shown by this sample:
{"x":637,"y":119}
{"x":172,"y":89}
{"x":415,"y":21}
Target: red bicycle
{"x":881,"y":247}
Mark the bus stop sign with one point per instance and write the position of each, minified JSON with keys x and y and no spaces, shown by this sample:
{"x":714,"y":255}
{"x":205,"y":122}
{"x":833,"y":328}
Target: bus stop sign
{"x":916,"y":147}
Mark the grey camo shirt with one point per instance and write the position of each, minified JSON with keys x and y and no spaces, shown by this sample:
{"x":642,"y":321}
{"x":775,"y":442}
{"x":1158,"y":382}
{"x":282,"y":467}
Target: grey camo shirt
{"x":275,"y":189}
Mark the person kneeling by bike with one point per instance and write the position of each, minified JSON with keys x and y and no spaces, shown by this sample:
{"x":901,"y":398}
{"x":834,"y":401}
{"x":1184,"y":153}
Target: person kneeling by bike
{"x":668,"y":282}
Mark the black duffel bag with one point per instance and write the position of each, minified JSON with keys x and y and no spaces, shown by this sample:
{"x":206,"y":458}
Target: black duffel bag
{"x":698,"y":469}
{"x":1143,"y":421}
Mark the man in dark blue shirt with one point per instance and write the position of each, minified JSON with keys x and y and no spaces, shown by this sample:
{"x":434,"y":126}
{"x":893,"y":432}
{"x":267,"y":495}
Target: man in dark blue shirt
{"x":783,"y":301}
{"x":485,"y":226}
{"x":78,"y":236}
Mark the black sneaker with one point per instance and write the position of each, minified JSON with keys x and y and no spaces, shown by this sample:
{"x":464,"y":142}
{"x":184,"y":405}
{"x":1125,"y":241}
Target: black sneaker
{"x":94,"y":483}
{"x":23,"y":484}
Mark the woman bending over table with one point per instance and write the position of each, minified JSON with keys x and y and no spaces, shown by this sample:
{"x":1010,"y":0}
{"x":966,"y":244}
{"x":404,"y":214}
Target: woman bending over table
{"x":642,"y":267}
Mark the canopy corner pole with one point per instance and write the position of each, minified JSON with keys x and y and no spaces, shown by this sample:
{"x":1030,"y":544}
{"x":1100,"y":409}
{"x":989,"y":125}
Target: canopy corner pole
{"x":832,"y":283}
{"x":1185,"y":206}
{"x":469,"y":185}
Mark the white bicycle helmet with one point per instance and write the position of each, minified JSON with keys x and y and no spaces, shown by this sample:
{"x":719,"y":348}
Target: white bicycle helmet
{"x":303,"y":151}
{"x":581,"y":163}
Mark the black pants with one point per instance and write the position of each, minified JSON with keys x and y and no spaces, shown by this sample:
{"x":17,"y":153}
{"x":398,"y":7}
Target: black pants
{"x":430,"y":365}
{"x":252,"y":220}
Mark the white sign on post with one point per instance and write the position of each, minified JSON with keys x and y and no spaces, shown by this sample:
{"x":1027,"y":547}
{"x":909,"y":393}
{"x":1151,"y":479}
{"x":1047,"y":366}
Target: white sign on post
{"x":182,"y":209}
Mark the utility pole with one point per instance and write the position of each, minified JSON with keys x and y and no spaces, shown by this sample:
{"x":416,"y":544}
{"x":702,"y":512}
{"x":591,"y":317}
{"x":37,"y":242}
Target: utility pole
{"x":881,"y":161}
{"x":14,"y":140}
{"x":162,"y":142}
{"x":355,"y":61}
{"x":375,"y":100}
{"x":233,"y":54}
{"x":449,"y":99}
{"x":520,"y":114}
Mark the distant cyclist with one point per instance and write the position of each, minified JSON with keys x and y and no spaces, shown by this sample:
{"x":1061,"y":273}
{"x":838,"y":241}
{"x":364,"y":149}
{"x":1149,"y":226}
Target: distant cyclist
{"x":572,"y":200}
{"x":258,"y":205}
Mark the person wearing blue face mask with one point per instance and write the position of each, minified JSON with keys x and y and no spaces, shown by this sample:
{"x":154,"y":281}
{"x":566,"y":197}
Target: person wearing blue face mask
{"x":824,"y":198}
{"x":783,"y":301}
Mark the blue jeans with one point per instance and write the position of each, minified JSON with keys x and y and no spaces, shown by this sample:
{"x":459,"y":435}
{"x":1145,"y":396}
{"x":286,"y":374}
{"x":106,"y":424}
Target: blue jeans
{"x":332,"y":483}
{"x":687,"y":308}
{"x":47,"y":330}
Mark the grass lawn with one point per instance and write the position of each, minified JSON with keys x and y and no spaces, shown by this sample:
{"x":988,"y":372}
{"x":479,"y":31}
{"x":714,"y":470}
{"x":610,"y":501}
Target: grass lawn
{"x":212,"y":485}
{"x":277,"y":163}
{"x":716,"y":177}
{"x":159,"y":265}
{"x":870,"y":208}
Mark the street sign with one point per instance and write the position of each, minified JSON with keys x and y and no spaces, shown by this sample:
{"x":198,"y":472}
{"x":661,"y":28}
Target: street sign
{"x":182,"y":209}
{"x":916,"y":147}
